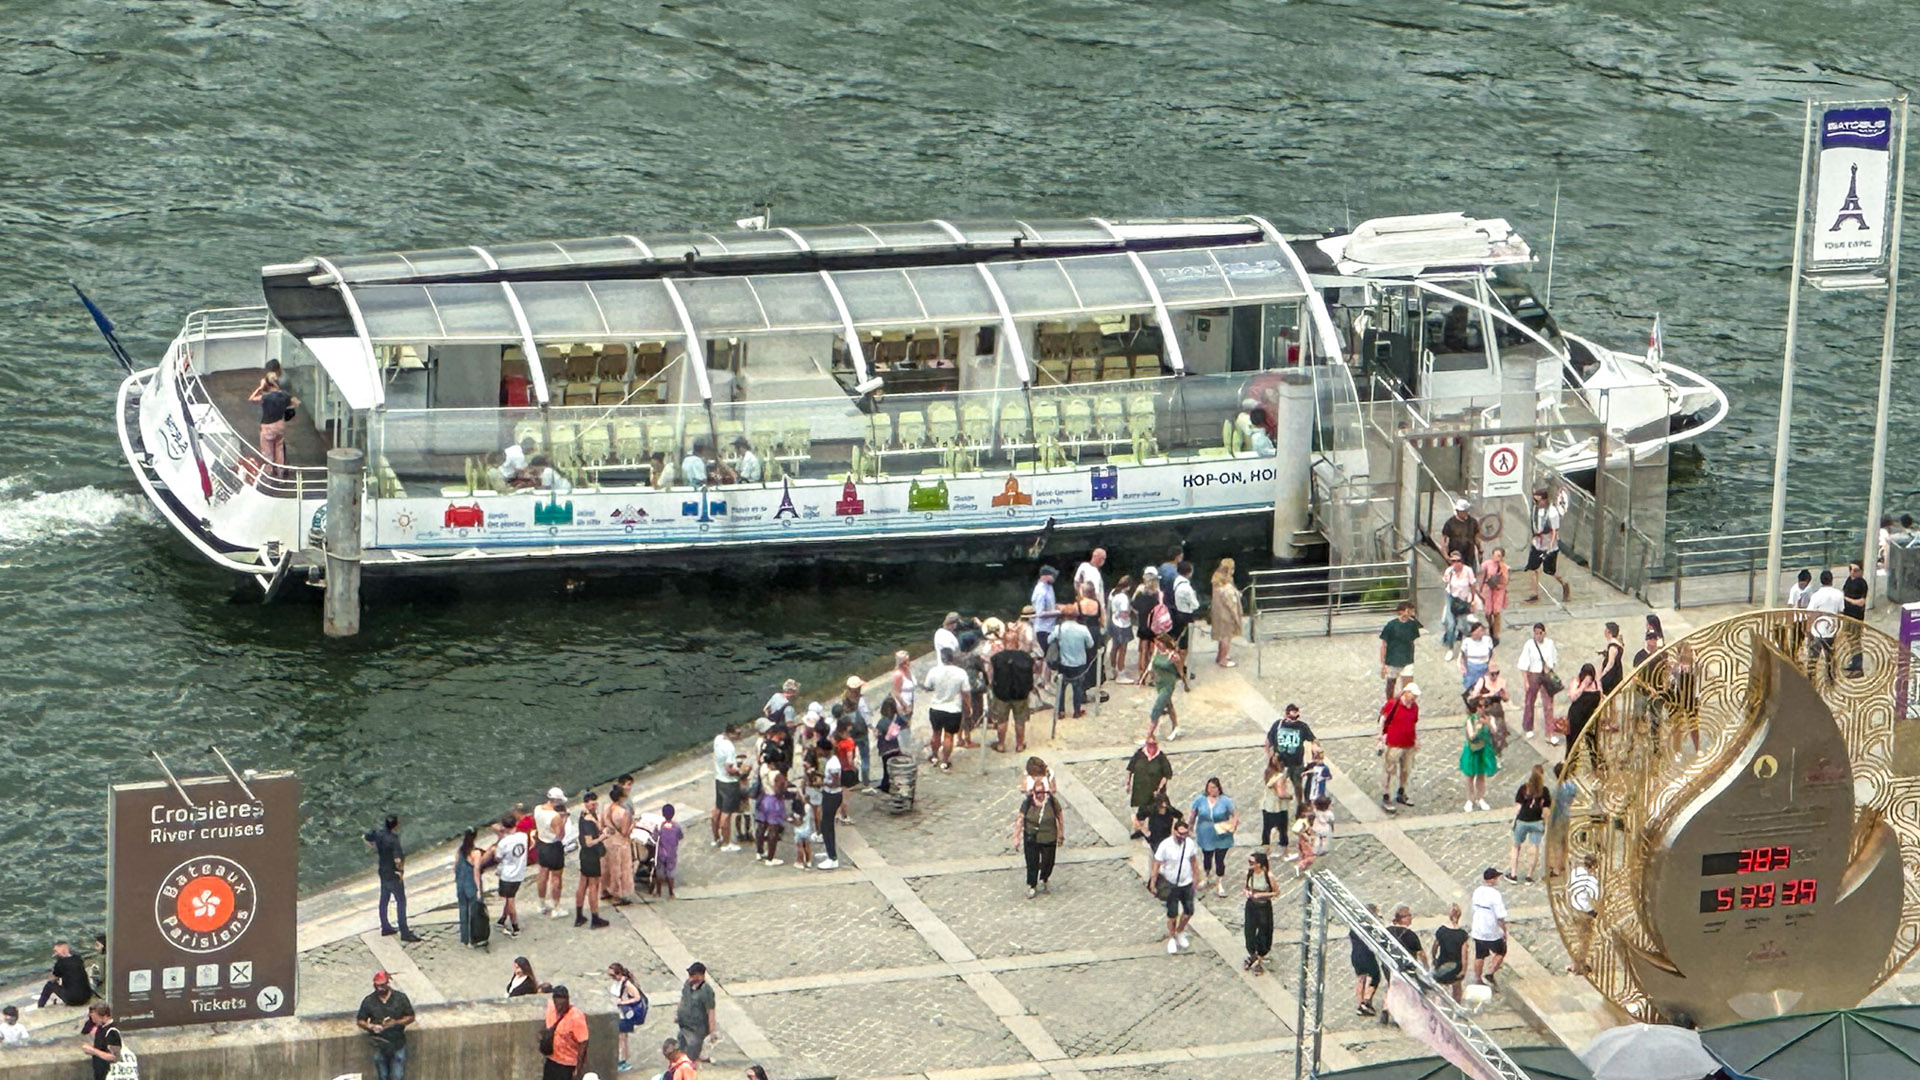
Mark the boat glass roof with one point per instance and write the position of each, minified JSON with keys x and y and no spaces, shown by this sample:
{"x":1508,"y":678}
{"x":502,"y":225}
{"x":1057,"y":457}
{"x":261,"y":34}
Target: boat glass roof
{"x":571,"y":311}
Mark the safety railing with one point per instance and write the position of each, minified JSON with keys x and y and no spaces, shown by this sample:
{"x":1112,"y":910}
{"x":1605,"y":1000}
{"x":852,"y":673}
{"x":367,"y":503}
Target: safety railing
{"x":1745,"y":555}
{"x":1621,"y":554}
{"x":232,"y":463}
{"x":1304,"y":600}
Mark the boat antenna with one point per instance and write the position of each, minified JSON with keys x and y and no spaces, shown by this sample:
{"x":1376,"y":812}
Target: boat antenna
{"x":1553,"y":239}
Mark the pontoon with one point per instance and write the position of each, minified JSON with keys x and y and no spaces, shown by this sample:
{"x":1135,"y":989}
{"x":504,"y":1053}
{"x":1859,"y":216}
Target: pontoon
{"x":851,"y":391}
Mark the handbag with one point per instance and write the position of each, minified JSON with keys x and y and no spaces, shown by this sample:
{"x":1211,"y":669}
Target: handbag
{"x":546,"y":1034}
{"x":635,"y":1012}
{"x":128,"y":1066}
{"x":1552,"y":681}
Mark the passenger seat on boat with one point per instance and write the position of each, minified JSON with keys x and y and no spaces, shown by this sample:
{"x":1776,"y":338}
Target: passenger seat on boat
{"x":1110,"y":417}
{"x":943,"y":423}
{"x":912,"y":428}
{"x":976,"y":424}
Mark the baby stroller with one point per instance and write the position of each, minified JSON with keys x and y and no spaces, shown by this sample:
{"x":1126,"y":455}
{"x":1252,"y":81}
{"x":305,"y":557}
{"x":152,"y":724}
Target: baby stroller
{"x":645,"y":830}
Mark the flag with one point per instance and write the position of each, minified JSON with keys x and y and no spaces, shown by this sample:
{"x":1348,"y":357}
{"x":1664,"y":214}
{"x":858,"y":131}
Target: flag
{"x":106,"y":330}
{"x":1656,"y":345}
{"x":193,"y":436}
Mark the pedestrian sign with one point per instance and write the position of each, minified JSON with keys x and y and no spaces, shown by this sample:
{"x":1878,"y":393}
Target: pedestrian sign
{"x":1503,"y":474}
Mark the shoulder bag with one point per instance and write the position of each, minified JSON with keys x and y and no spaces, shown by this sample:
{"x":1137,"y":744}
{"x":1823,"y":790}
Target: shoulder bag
{"x":546,"y":1033}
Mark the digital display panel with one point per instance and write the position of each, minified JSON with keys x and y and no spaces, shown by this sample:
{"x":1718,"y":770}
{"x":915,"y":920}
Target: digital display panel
{"x":1753,"y":860}
{"x":1760,"y":894}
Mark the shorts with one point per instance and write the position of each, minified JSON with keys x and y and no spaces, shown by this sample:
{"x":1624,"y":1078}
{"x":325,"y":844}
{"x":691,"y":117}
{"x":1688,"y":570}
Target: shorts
{"x":552,"y":856}
{"x":1142,"y":633}
{"x":627,"y":1027}
{"x":1528,"y":832}
{"x":726,"y":796}
{"x":1397,"y":673}
{"x":1179,"y":900}
{"x":1367,"y":966}
{"x":590,"y":869}
{"x":691,"y":1042}
{"x":1548,"y":560}
{"x":1484,"y":949}
{"x":509,"y":890}
{"x":943,"y":721}
{"x":1399,"y":757}
{"x":1161,"y":705}
{"x":1021,"y":711}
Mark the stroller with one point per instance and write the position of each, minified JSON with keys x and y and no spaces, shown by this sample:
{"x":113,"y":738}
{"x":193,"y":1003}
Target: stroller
{"x":646,"y":829}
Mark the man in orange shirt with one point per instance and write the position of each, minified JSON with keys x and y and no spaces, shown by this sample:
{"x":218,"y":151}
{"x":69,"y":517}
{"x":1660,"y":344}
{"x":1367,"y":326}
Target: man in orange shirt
{"x":679,"y":1065}
{"x":566,"y":1051}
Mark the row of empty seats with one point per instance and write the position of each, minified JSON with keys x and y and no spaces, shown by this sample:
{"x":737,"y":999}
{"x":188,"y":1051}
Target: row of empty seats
{"x":1074,"y":418}
{"x":1086,"y":369}
{"x":600,"y":374}
{"x":604,"y":443}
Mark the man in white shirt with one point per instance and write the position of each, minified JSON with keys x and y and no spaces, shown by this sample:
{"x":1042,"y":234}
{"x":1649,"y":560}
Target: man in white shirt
{"x":947,"y":638}
{"x":1087,"y":575}
{"x":1488,"y":928}
{"x":693,"y":467}
{"x":1186,"y":603}
{"x":1825,"y":604}
{"x":1176,"y":866}
{"x":945,"y":684}
{"x":726,"y":790}
{"x":549,"y":834}
{"x":510,"y":855}
{"x":1537,"y":657}
{"x":513,"y":467}
{"x":748,"y":467}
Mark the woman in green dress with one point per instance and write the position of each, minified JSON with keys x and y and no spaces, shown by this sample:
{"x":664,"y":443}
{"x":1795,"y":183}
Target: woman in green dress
{"x":1478,"y":758}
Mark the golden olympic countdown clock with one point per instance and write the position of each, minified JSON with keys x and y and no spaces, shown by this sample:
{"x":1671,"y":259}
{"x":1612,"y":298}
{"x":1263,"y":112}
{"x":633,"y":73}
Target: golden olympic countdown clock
{"x":1733,"y":835}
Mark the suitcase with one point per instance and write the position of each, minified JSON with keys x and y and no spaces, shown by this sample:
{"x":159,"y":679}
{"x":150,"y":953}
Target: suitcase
{"x":479,"y":926}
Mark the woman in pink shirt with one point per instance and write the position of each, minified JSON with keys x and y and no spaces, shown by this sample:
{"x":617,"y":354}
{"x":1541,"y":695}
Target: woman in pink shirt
{"x":1493,"y":589}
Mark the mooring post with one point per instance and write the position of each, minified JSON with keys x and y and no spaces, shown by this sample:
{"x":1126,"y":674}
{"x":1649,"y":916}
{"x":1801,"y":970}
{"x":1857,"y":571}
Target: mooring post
{"x":1292,"y":462}
{"x":346,"y":483}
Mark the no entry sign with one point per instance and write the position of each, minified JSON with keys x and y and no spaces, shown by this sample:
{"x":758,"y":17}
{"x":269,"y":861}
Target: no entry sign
{"x":202,"y":900}
{"x":1503,"y":473}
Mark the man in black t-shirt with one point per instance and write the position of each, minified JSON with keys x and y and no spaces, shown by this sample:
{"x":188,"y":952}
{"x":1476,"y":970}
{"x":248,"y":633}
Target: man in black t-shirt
{"x":105,"y":1048}
{"x":69,"y":983}
{"x":393,"y":866}
{"x":1854,"y":606}
{"x":1010,"y":684}
{"x":384,"y":1016}
{"x":1289,"y":741}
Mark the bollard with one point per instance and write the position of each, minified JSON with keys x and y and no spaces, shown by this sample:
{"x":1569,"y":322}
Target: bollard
{"x":1292,"y":462}
{"x":346,"y":483}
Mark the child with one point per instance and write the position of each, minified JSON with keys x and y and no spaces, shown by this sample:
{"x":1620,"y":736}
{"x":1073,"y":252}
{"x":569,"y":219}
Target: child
{"x":803,"y":807}
{"x":1313,"y":780}
{"x":1313,"y":833}
{"x":771,"y":813}
{"x":666,"y":852}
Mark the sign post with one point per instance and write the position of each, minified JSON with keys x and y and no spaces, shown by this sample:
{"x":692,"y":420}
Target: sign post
{"x":1846,"y":238}
{"x":202,"y":887}
{"x":1503,"y":470}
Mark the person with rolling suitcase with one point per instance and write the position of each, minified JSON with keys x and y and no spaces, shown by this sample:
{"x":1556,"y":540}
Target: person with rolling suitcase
{"x":466,"y":888}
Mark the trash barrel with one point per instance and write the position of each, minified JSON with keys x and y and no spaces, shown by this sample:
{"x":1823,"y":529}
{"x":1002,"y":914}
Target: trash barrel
{"x":1903,"y":568}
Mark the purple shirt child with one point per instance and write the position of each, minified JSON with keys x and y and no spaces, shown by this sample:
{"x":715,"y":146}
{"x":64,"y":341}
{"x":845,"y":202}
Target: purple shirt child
{"x":666,"y":849}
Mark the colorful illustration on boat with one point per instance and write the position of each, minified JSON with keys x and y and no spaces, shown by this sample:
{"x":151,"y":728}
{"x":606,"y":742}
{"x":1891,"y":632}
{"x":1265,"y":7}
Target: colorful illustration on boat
{"x":786,"y":508}
{"x":1011,"y":496}
{"x":553,"y":513}
{"x":927,"y":498}
{"x":850,"y":504}
{"x":1106,"y":482}
{"x":706,"y":509}
{"x":465,"y":517}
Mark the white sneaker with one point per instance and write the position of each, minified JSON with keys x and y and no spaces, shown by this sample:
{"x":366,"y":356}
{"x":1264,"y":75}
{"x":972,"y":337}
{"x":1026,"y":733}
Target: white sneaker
{"x":776,"y":862}
{"x":557,"y":914}
{"x":1181,"y":937}
{"x":1469,"y":805}
{"x":1483,"y":805}
{"x":1553,"y":740}
{"x":730,"y":847}
{"x":827,"y":864}
{"x":1172,"y":735}
{"x":713,"y":843}
{"x":1172,"y":946}
{"x":1533,"y":734}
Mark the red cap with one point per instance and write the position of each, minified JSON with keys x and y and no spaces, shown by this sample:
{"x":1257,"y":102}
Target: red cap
{"x":379,"y":977}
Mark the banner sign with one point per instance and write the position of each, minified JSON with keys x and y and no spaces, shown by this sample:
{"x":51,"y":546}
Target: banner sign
{"x":1851,"y":188}
{"x":202,"y":915}
{"x":1502,"y":473}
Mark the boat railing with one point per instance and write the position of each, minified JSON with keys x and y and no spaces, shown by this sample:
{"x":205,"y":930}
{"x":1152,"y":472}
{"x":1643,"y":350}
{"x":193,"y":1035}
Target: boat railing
{"x":1742,"y":557}
{"x":208,"y":322}
{"x":233,"y":463}
{"x":1121,"y":422}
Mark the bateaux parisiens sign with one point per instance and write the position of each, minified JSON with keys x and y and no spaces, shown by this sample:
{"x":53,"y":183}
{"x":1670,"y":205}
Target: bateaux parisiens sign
{"x":202,"y":900}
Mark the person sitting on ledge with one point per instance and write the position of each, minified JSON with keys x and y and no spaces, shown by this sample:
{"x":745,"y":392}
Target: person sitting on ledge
{"x":69,"y":983}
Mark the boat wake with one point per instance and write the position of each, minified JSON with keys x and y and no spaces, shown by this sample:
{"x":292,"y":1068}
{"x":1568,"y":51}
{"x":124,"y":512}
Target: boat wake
{"x":28,"y":516}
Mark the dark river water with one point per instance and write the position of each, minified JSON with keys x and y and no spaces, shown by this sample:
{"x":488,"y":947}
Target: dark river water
{"x":161,"y":153}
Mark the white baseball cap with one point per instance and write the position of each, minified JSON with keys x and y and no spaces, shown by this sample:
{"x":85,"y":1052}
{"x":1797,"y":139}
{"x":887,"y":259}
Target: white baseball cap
{"x":556,"y":793}
{"x":1413,"y":688}
{"x":1462,"y":504}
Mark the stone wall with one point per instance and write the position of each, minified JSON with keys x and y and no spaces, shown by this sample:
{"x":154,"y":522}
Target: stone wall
{"x":449,"y":1042}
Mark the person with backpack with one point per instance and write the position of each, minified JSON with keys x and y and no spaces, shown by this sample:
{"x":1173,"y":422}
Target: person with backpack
{"x":629,"y":1005}
{"x":1039,"y":827}
{"x":563,"y":1043}
{"x":1145,"y":598}
{"x":1010,"y":681}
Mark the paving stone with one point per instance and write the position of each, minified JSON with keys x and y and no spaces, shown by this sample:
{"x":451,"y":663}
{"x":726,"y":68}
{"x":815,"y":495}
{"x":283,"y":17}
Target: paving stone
{"x":334,"y":977}
{"x":558,"y":951}
{"x":958,"y":814}
{"x":888,"y":1029}
{"x":1091,"y":905}
{"x":1437,"y":786}
{"x":860,"y":931}
{"x":1464,"y":851}
{"x":1240,"y":1067}
{"x":1542,"y":938}
{"x":1157,"y":1003}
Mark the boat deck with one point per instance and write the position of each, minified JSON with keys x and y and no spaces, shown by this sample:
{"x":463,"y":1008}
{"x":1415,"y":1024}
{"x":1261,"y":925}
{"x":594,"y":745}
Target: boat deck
{"x":306,"y":445}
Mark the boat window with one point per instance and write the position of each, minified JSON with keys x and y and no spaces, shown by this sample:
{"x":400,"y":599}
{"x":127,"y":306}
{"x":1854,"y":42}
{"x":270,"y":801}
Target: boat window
{"x":1187,"y":278}
{"x":1257,"y":272}
{"x":1280,"y":337}
{"x":474,"y":311}
{"x":1107,"y":281}
{"x":1453,"y":334}
{"x":1114,"y":347}
{"x":997,"y":233}
{"x":951,"y":294}
{"x":722,"y":305}
{"x":1070,"y":231}
{"x":537,"y":253}
{"x":447,"y":261}
{"x":634,"y":309}
{"x":796,"y":301}
{"x":906,"y":235}
{"x":399,"y":312}
{"x":879,"y":296}
{"x":561,"y":309}
{"x":1035,"y":288}
{"x":372,"y":267}
{"x":840,"y":237}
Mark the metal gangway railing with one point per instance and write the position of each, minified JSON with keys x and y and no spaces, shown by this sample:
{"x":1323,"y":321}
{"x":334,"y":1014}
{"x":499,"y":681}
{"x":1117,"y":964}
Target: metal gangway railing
{"x":232,"y":462}
{"x":1745,"y":554}
{"x":1318,"y":600}
{"x":1324,"y":897}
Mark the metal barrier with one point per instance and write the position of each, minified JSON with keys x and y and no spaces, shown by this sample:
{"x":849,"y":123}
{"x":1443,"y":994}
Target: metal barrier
{"x":1746,"y":553}
{"x":1308,"y":599}
{"x":1621,"y":555}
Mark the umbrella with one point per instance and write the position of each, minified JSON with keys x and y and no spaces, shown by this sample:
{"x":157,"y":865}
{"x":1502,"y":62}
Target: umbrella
{"x":1649,"y":1052}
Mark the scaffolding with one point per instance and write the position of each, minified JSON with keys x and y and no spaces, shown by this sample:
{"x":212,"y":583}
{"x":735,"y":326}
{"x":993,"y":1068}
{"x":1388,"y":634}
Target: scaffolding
{"x":1324,"y":895}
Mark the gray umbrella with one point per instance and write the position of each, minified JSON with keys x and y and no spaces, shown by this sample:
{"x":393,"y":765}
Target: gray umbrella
{"x":1649,"y":1052}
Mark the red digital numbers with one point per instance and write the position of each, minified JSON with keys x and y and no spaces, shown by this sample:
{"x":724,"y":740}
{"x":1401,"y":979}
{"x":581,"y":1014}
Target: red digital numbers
{"x":1757,"y":896}
{"x":1763,"y":860}
{"x":1723,"y":900}
{"x":1797,"y":892}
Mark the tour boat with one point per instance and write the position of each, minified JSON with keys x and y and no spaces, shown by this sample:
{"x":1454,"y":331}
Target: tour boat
{"x":850,"y":391}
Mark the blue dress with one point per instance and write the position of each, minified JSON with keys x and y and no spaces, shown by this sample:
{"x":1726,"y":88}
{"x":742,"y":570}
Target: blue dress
{"x":1210,"y":838}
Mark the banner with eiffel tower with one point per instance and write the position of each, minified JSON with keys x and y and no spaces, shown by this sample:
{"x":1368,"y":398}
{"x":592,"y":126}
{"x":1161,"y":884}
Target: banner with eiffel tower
{"x":1852,"y":190}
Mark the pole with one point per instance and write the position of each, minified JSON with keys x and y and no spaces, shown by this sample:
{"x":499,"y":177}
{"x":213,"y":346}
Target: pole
{"x":1783,"y":437}
{"x":346,"y":472}
{"x":1877,"y":488}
